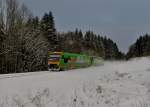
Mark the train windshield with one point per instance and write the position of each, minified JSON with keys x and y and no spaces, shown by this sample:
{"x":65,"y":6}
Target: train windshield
{"x":54,"y":57}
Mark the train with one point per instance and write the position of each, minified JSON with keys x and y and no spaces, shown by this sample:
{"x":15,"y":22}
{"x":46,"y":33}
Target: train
{"x":61,"y":61}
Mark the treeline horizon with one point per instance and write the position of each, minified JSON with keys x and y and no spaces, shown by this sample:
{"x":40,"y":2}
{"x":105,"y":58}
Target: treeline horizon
{"x":26,"y":39}
{"x":140,"y":48}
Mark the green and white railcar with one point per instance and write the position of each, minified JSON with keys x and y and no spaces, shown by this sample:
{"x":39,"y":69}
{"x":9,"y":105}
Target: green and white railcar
{"x":65,"y":61}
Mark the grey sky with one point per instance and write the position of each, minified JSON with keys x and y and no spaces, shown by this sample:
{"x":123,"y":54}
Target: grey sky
{"x":121,"y":20}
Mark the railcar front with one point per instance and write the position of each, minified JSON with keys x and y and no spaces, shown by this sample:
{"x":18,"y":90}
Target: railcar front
{"x":54,"y":60}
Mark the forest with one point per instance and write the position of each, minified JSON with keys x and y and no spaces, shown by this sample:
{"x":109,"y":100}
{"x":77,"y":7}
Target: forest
{"x":25,"y":40}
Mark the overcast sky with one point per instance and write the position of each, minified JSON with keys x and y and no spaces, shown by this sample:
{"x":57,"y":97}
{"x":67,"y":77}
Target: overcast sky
{"x":121,"y":20}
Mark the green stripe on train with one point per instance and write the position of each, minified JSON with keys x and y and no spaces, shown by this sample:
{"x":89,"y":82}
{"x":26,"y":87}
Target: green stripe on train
{"x":72,"y":60}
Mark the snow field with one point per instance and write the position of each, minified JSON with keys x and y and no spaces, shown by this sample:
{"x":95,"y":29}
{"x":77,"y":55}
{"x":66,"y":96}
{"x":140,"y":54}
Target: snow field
{"x":115,"y":84}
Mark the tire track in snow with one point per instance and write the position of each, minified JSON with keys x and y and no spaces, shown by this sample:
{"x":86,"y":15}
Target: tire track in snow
{"x":7,"y":76}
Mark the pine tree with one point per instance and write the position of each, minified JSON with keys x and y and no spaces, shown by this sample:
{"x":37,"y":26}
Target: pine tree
{"x":48,"y":29}
{"x":140,"y":48}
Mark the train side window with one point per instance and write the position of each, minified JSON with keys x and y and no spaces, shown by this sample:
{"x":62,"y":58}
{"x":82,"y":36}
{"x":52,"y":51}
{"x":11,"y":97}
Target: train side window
{"x":65,"y":60}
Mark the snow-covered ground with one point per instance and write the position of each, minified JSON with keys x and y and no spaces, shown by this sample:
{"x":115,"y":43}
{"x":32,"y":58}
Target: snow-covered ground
{"x":115,"y":84}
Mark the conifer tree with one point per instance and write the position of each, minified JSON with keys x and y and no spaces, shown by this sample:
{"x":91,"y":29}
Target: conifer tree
{"x":48,"y":29}
{"x":140,"y":48}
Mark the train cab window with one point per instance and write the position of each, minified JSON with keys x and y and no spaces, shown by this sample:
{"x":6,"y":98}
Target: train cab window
{"x":54,"y":57}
